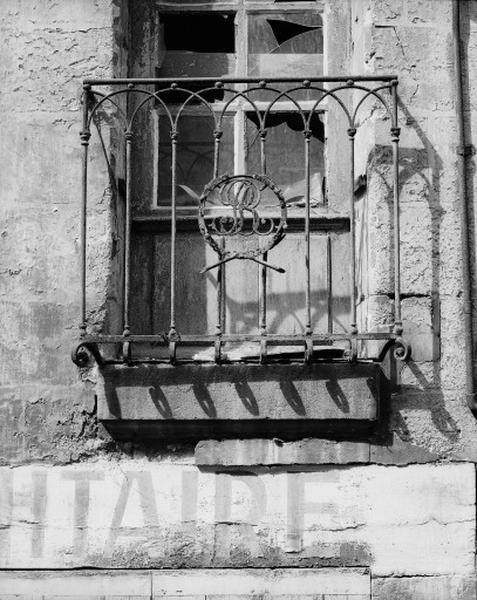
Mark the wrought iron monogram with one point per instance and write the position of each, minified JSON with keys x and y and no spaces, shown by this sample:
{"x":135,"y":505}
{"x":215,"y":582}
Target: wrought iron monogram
{"x":241,"y":197}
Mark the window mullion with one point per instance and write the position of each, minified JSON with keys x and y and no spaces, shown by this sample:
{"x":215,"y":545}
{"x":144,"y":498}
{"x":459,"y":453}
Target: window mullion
{"x":241,"y":49}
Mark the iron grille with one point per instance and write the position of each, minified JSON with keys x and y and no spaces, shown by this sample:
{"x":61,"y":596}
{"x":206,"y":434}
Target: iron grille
{"x":248,"y":206}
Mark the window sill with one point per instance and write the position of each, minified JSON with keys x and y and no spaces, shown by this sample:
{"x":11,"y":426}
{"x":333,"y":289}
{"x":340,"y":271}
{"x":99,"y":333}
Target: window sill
{"x":193,"y":402}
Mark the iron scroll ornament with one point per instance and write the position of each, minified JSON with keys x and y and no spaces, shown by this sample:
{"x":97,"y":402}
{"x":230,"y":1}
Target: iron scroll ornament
{"x":240,"y":197}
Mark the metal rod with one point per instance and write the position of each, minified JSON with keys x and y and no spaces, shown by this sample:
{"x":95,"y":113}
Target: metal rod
{"x":217,"y":138}
{"x":221,"y":263}
{"x":396,"y":216}
{"x":127,"y":235}
{"x":219,"y":327}
{"x":263,"y":270}
{"x":263,"y":297}
{"x":263,"y":160}
{"x":352,"y":228}
{"x":468,"y":330}
{"x":223,"y":282}
{"x":212,"y":80}
{"x":273,"y":339}
{"x":85,"y":135}
{"x":329,"y":283}
{"x":172,"y":325}
{"x":307,"y":232}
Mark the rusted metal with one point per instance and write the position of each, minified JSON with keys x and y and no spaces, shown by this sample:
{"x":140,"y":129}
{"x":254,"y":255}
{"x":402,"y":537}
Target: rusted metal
{"x":329,"y":283}
{"x":172,"y":326}
{"x":224,"y":80}
{"x":85,"y":135}
{"x":127,"y":236}
{"x":239,"y":198}
{"x":395,"y":132}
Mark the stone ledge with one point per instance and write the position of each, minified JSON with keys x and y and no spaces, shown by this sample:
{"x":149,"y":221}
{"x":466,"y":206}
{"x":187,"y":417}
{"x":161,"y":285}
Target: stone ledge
{"x":188,"y":584}
{"x":192,"y":401}
{"x":257,"y":452}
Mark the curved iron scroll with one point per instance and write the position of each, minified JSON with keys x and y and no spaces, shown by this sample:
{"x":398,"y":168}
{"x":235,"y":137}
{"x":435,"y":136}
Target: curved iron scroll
{"x":241,"y":197}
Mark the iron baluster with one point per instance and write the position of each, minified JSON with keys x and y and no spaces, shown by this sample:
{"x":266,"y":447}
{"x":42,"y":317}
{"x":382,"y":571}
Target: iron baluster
{"x":308,"y":328}
{"x":127,"y":235}
{"x":329,"y":283}
{"x":353,"y":325}
{"x":173,"y":337}
{"x":395,"y":131}
{"x":85,"y":135}
{"x":219,"y":328}
{"x":263,"y":309}
{"x":263,"y":270}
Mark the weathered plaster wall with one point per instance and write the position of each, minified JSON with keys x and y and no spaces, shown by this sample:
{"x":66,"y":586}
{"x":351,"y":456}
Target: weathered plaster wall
{"x":414,"y":40}
{"x":47,"y":48}
{"x":413,"y":525}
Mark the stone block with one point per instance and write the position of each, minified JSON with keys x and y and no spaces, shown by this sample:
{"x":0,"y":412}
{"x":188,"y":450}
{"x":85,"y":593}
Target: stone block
{"x":387,"y":10}
{"x":399,"y":452}
{"x":283,"y":583}
{"x":423,"y":60}
{"x":432,"y":421}
{"x":424,"y":588}
{"x":47,"y":422}
{"x":430,"y":12}
{"x":84,"y":585}
{"x":203,"y":401}
{"x":234,"y":453}
{"x":192,"y":584}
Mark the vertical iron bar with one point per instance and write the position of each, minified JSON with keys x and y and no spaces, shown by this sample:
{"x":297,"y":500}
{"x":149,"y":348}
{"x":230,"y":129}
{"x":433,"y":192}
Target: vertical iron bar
{"x":217,"y":137}
{"x":263,"y":270}
{"x":308,"y":329}
{"x":395,"y":132}
{"x":329,"y":283}
{"x":263,"y":310}
{"x":223,"y":289}
{"x":85,"y":135}
{"x":172,"y":325}
{"x":127,"y":235}
{"x":221,"y":270}
{"x":263,"y":161}
{"x":353,"y":326}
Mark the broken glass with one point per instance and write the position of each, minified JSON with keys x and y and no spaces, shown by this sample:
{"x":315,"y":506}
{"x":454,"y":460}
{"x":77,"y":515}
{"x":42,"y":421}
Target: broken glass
{"x":289,"y":45}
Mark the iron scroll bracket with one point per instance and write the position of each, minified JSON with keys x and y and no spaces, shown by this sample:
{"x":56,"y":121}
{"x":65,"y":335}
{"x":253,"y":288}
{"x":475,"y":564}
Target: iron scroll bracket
{"x":84,"y":353}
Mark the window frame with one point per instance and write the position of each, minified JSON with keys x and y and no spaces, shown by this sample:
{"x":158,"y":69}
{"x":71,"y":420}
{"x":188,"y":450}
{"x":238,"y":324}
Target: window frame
{"x":241,"y":9}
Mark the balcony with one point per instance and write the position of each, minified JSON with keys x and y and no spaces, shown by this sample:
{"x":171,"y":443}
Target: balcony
{"x":240,"y":240}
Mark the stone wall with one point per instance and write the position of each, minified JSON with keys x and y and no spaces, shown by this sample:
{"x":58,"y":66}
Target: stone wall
{"x":399,"y":505}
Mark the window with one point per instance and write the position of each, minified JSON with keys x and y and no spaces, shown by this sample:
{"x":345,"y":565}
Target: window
{"x":240,"y":212}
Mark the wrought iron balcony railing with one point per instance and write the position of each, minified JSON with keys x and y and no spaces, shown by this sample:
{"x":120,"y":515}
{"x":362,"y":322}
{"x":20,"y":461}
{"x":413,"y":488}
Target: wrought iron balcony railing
{"x":244,"y":210}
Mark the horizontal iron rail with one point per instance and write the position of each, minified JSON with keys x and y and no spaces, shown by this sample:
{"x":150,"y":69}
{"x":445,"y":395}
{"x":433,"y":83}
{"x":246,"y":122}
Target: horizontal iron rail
{"x":158,"y":224}
{"x":272,"y":339}
{"x":212,"y":80}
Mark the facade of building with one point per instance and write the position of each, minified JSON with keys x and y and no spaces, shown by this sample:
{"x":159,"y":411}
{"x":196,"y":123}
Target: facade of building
{"x":261,"y":216}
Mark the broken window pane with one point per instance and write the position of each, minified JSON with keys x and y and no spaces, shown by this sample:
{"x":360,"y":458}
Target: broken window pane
{"x":197,"y":45}
{"x":195,"y":157}
{"x":289,"y":44}
{"x":285,"y":155}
